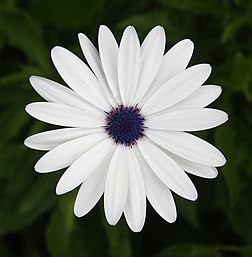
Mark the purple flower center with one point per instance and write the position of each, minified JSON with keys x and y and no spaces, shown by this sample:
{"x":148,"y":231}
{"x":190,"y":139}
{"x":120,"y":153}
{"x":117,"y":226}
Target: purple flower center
{"x":125,"y":125}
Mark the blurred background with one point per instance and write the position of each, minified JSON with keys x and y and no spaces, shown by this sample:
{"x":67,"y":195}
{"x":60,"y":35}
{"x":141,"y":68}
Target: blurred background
{"x":34,"y":222}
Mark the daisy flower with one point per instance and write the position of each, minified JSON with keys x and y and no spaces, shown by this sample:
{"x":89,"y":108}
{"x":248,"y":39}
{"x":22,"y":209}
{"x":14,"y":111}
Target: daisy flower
{"x":126,"y":117}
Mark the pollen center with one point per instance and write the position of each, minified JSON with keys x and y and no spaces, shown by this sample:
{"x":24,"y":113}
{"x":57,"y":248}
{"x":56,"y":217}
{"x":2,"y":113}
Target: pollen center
{"x":125,"y":125}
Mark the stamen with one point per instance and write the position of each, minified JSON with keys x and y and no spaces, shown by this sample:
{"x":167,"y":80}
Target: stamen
{"x":125,"y":124}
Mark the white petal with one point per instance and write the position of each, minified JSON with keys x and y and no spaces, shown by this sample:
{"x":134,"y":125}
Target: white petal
{"x":188,"y":147}
{"x":63,"y":115}
{"x":187,"y":120}
{"x":158,"y":194}
{"x":135,"y":208}
{"x":55,"y":92}
{"x":116,"y":187}
{"x":167,"y":170}
{"x":49,"y":139}
{"x":108,"y":49}
{"x":152,"y":50}
{"x":177,"y":88}
{"x":92,"y":189}
{"x":66,"y":153}
{"x":83,"y":167}
{"x":79,"y":77}
{"x":195,"y":168}
{"x":128,"y":64}
{"x":200,"y":98}
{"x":174,"y":62}
{"x":92,"y":56}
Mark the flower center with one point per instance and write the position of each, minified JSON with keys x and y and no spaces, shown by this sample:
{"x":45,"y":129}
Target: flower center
{"x":125,"y":125}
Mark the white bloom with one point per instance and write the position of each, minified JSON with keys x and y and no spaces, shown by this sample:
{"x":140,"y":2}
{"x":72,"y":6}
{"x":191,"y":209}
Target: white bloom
{"x":127,"y":116}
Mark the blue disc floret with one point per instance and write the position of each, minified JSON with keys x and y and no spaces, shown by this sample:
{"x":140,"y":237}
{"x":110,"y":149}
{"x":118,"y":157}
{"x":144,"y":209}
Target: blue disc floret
{"x":125,"y":125}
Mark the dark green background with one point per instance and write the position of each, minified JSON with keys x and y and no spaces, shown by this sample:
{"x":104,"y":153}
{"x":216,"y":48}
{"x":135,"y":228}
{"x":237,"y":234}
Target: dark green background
{"x":34,"y":222}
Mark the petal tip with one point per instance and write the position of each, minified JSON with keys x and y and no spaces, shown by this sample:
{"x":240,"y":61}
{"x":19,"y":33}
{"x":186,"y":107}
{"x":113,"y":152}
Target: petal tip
{"x":38,"y":168}
{"x":160,"y":30}
{"x":221,"y":160}
{"x":173,"y":218}
{"x":28,"y":108}
{"x":59,"y":190}
{"x":27,"y":142}
{"x":77,"y":212}
{"x":206,"y":66}
{"x":55,"y":50}
{"x":112,"y":222}
{"x":111,"y":218}
{"x":137,"y":229}
{"x":193,"y":196}
{"x":103,"y":28}
{"x":219,"y":88}
{"x":209,"y":67}
{"x":81,"y":36}
{"x":43,"y":166}
{"x":34,"y":80}
{"x":130,"y":29}
{"x":187,"y":44}
{"x":160,"y":27}
{"x":188,"y":41}
{"x":214,"y":175}
{"x":31,"y":78}
{"x":224,"y":118}
{"x":224,"y":161}
{"x":202,"y":66}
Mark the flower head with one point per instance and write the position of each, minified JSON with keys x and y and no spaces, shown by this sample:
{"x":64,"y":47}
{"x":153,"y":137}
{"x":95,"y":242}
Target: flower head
{"x":127,"y":116}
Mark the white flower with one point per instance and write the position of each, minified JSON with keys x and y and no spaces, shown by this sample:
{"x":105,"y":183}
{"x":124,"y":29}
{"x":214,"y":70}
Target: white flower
{"x":127,"y":116}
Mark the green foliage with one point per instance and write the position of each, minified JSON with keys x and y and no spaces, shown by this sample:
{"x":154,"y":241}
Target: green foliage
{"x":34,"y":221}
{"x":119,"y":241}
{"x":73,"y":16}
{"x":241,"y":75}
{"x":190,"y":251}
{"x":22,"y":32}
{"x":60,"y":227}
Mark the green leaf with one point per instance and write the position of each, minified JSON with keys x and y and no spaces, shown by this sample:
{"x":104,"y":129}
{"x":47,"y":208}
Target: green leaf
{"x":188,"y":210}
{"x":190,"y":250}
{"x":22,"y":203}
{"x":61,"y":226}
{"x":244,"y":147}
{"x":41,"y":193}
{"x":247,"y":252}
{"x":240,"y":215}
{"x":224,"y":139}
{"x":20,"y":76}
{"x":180,"y":250}
{"x":23,"y":33}
{"x":79,"y":13}
{"x":212,"y":6}
{"x":12,"y":122}
{"x":118,"y":238}
{"x":204,"y":251}
{"x":241,"y":75}
{"x":145,"y":21}
{"x":89,"y":238}
{"x":6,"y":251}
{"x":233,"y":27}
